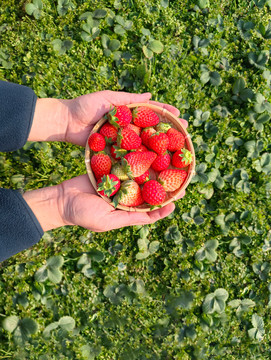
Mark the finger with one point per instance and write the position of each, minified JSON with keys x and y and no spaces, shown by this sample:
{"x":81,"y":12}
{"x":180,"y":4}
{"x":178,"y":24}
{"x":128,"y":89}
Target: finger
{"x":122,"y":218}
{"x":168,"y":107}
{"x":125,"y":98}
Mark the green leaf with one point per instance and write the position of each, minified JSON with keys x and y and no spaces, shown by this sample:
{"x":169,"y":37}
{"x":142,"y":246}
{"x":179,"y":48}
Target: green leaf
{"x":41,"y":274}
{"x":259,"y":60}
{"x":215,"y":78}
{"x":156,"y":46}
{"x":54,"y":275}
{"x":55,"y":261}
{"x":205,"y":77}
{"x":67,"y":323}
{"x":164,"y":3}
{"x":118,"y":29}
{"x":99,"y":13}
{"x":173,"y":233}
{"x":96,"y":255}
{"x":10,"y":323}
{"x":90,"y":352}
{"x":147,"y":52}
{"x":114,"y":45}
{"x":47,"y":331}
{"x":203,"y":4}
{"x":154,"y":246}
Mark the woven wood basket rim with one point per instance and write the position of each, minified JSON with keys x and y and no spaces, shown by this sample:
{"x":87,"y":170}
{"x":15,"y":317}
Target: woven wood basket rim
{"x":165,"y":114}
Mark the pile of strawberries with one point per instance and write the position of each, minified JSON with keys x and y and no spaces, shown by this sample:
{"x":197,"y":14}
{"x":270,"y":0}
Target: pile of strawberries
{"x":136,"y":159}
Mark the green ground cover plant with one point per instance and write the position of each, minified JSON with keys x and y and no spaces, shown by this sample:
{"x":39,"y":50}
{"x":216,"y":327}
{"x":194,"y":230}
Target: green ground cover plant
{"x":195,"y":285}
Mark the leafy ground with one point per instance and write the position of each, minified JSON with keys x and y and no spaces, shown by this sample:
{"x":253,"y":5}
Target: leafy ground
{"x":197,"y":284}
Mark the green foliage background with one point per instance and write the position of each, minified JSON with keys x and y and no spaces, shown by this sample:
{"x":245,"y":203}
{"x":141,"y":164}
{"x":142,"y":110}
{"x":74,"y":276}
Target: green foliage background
{"x":197,"y":284}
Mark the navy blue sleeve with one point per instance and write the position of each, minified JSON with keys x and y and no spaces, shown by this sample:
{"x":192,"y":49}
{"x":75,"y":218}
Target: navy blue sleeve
{"x":17,"y":106}
{"x":19,"y":228}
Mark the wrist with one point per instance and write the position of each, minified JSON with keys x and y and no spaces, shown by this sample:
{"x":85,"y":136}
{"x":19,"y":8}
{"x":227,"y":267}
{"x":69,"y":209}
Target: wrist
{"x":50,"y":121}
{"x":46,"y":205}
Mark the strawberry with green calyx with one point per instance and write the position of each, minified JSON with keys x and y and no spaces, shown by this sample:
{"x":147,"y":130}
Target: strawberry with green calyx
{"x":163,"y":127}
{"x":158,"y":142}
{"x":96,"y":142}
{"x":182,"y":158}
{"x":108,"y":185}
{"x":116,"y":152}
{"x":162,"y":162}
{"x":136,"y":129}
{"x":176,"y":140}
{"x":145,"y":117}
{"x":109,"y":132}
{"x":153,"y":193}
{"x":100,"y":164}
{"x":127,"y":139}
{"x":146,"y":134}
{"x":120,"y":116}
{"x":119,"y":171}
{"x":129,"y":194}
{"x":137,"y":162}
{"x":143,"y":178}
{"x":172,"y":179}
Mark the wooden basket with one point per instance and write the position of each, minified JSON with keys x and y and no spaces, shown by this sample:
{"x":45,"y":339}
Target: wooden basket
{"x":164,"y":116}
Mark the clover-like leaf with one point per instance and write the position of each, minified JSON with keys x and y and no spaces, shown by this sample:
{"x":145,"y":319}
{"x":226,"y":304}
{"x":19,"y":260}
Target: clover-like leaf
{"x":258,"y":331}
{"x":240,"y":91}
{"x":99,"y":13}
{"x":259,"y":60}
{"x":200,"y":117}
{"x":215,"y":302}
{"x":261,"y":104}
{"x":265,"y":31}
{"x":264,"y":164}
{"x":200,"y":175}
{"x":254,"y":148}
{"x":63,"y":6}
{"x":173,"y":233}
{"x":262,"y":270}
{"x":61,"y":47}
{"x":242,"y":306}
{"x":10,"y":323}
{"x":156,"y":46}
{"x":208,"y":251}
{"x":245,"y":29}
{"x":34,"y":8}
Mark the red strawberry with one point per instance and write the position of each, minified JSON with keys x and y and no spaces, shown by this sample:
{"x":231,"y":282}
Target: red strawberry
{"x":96,"y":142}
{"x":116,"y":152}
{"x":172,"y":179}
{"x":145,"y":117}
{"x":137,"y":162}
{"x":153,"y":192}
{"x":129,"y":194}
{"x":142,"y":148}
{"x":182,"y":158}
{"x":128,"y":139}
{"x":120,"y":116}
{"x":136,"y":129}
{"x":162,"y":162}
{"x":100,"y":164}
{"x":109,"y":132}
{"x":176,"y":140}
{"x":158,"y":142}
{"x":108,"y":185}
{"x":143,"y":178}
{"x":146,"y":134}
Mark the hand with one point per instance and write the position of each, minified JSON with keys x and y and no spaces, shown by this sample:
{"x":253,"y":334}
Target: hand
{"x":80,"y":205}
{"x":86,"y":110}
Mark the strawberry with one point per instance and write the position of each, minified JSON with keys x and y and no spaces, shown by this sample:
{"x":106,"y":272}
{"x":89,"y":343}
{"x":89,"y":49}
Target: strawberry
{"x":145,"y":135}
{"x":172,"y":179}
{"x":96,"y":142}
{"x":145,"y":117}
{"x":142,"y":148}
{"x":162,"y":162}
{"x":127,"y":139}
{"x":136,"y":129}
{"x":176,"y":140}
{"x":109,"y":132}
{"x":118,"y":170}
{"x":129,"y":194}
{"x":163,"y":127}
{"x":143,"y":178}
{"x":158,"y":142}
{"x":100,"y":164}
{"x":120,"y":116}
{"x":116,"y":152}
{"x":108,"y":185}
{"x":153,"y":192}
{"x":137,"y":162}
{"x":182,"y":158}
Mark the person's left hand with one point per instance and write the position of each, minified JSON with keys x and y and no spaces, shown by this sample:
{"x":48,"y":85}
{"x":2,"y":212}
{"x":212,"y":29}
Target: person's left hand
{"x":86,"y":110}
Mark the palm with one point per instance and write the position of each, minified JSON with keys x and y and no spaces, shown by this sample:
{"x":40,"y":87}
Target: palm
{"x":83,"y":207}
